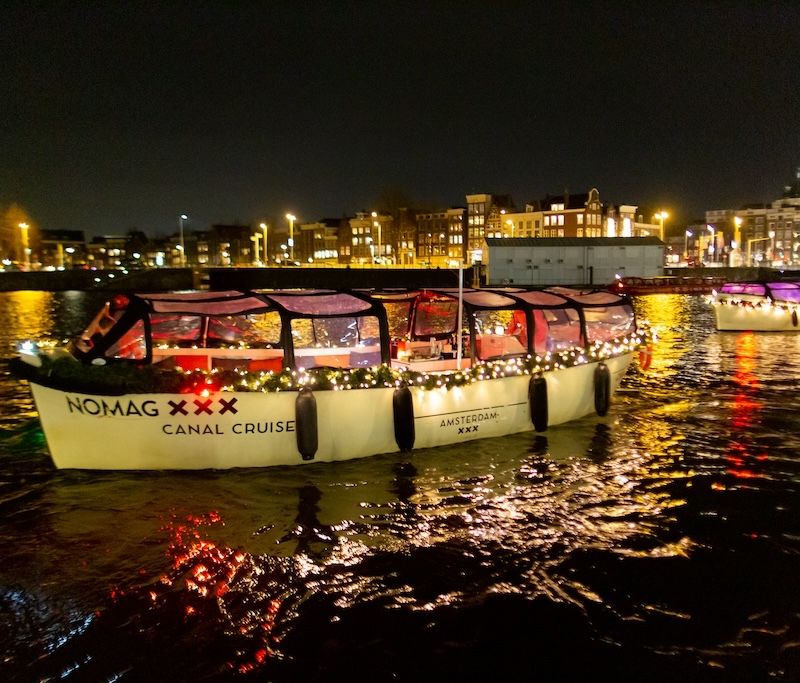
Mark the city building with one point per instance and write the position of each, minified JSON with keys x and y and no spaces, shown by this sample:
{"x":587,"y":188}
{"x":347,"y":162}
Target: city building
{"x":568,"y":215}
{"x":319,"y":241}
{"x":62,"y":249}
{"x":756,"y":234}
{"x":440,"y":238}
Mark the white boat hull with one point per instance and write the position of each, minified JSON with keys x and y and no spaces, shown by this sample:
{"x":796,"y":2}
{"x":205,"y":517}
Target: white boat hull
{"x":762,"y":318}
{"x":253,"y":429}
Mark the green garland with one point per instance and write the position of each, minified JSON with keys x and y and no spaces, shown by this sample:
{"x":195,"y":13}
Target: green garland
{"x":127,"y":378}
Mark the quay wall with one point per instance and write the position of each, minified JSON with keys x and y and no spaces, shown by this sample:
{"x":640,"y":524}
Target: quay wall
{"x":333,"y":278}
{"x":176,"y":279}
{"x":157,"y":280}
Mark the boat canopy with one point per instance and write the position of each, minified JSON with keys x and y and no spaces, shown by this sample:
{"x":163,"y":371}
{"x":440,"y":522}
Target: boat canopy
{"x":272,"y":329}
{"x":781,"y":290}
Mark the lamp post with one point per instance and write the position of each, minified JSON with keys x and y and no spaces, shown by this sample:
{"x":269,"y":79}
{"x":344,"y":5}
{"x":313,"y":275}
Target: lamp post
{"x":771,"y":234}
{"x":686,"y":246}
{"x":291,"y":218}
{"x":510,"y":224}
{"x":263,"y":227}
{"x":711,"y":241}
{"x":23,"y":227}
{"x":737,"y":240}
{"x":377,"y":224}
{"x":661,"y":216}
{"x":181,"y":218}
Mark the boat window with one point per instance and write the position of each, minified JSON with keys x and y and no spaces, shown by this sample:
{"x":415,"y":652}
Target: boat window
{"x":785,"y":291}
{"x":338,"y":342}
{"x":175,"y":330}
{"x":607,"y":322}
{"x":335,"y":332}
{"x":435,"y":317}
{"x":255,"y":330}
{"x":398,"y":314}
{"x":563,"y":329}
{"x":493,"y":321}
{"x":131,"y":345}
{"x":500,"y":333}
{"x":744,"y":288}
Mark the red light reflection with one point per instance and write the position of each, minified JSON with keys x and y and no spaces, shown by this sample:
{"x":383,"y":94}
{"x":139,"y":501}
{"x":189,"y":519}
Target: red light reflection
{"x":746,"y":407}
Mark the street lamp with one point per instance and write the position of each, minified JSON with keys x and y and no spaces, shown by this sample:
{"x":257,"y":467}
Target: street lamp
{"x":263,"y":226}
{"x":686,"y":246}
{"x":661,"y":216}
{"x":23,"y":227}
{"x":711,"y":241}
{"x":291,"y":218}
{"x":255,"y":239}
{"x":181,"y":218}
{"x":377,"y":224}
{"x":510,"y":224}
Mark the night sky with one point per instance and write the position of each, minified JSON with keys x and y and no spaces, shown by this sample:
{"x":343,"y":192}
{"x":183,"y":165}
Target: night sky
{"x":115,"y":116}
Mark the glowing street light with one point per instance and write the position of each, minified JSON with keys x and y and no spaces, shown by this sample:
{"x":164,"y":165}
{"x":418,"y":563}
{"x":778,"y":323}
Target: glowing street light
{"x":686,"y":245}
{"x":661,"y":216}
{"x":377,"y":224}
{"x":712,"y":239}
{"x":264,"y":226}
{"x":291,"y":218}
{"x":181,"y":218}
{"x":27,"y":252}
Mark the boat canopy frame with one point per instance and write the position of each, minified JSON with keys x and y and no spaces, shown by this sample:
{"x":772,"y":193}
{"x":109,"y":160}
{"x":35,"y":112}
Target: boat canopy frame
{"x":123,"y":312}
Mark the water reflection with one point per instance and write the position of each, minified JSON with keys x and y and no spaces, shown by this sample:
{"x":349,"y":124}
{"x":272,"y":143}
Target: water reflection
{"x":663,"y":528}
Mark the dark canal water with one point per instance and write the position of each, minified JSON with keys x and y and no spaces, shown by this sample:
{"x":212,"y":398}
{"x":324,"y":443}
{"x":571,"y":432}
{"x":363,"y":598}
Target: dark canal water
{"x":660,"y":543}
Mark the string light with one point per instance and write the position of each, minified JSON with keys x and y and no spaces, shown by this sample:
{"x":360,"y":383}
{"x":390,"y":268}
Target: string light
{"x":149,"y":379}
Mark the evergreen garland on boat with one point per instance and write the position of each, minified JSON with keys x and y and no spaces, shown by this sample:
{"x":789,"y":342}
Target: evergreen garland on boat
{"x":120,"y":378}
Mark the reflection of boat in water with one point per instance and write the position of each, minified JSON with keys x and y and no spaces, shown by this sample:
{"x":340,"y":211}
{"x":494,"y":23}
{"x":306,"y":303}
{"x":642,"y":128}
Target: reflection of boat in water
{"x":250,"y":379}
{"x":665,"y":284}
{"x":757,"y":306}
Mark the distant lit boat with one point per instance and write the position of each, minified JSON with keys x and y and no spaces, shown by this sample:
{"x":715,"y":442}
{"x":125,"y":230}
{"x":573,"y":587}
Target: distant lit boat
{"x":250,"y":379}
{"x":758,"y":306}
{"x":665,"y":284}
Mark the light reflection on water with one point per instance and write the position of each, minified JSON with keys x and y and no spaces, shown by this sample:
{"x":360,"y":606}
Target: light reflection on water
{"x":658,"y":542}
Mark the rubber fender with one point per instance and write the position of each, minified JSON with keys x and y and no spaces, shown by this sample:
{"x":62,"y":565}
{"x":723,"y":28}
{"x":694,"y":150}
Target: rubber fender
{"x":305,"y":413}
{"x":602,"y":389}
{"x":537,"y":400}
{"x":794,"y":317}
{"x":403,"y":407}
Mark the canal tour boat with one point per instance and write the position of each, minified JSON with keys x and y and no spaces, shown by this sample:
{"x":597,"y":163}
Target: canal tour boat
{"x":215,"y":380}
{"x":665,"y":284}
{"x":760,"y":306}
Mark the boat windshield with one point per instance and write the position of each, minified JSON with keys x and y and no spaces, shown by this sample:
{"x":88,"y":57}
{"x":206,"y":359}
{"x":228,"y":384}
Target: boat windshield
{"x":750,"y":288}
{"x":102,"y":323}
{"x":785,"y":291}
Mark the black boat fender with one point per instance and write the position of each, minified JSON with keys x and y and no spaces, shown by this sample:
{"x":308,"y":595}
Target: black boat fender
{"x":403,"y":408}
{"x":794,"y":317}
{"x":305,"y":413}
{"x":602,"y":389}
{"x":537,"y":401}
